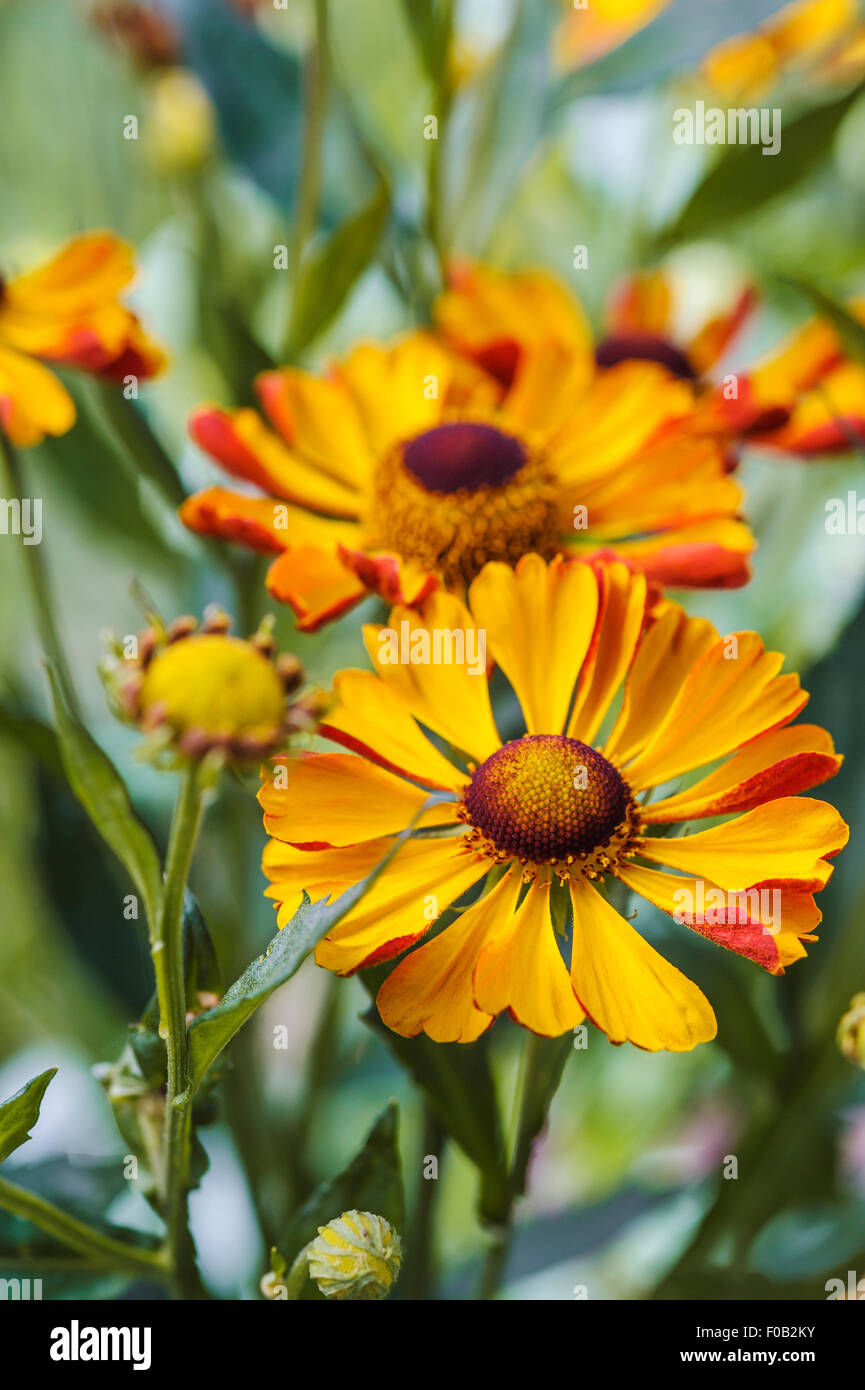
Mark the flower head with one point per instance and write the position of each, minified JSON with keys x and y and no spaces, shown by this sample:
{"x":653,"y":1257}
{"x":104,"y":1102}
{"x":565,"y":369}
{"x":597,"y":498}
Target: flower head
{"x":355,"y":1256}
{"x":411,"y":466}
{"x":620,"y":706}
{"x":197,"y":689}
{"x":67,"y":311}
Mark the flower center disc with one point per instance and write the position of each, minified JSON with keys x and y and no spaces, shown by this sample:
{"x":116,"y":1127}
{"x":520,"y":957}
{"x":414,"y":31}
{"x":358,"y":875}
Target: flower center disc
{"x":644,"y":347}
{"x":545,"y":797}
{"x":461,"y":494}
{"x":462,"y":456}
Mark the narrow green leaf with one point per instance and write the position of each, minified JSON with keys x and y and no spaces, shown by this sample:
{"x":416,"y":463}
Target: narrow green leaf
{"x":20,"y":1112}
{"x":547,"y":1062}
{"x":744,"y":179}
{"x":371,"y":1182}
{"x":102,"y":792}
{"x":210,"y":1032}
{"x":430,"y":22}
{"x":330,"y":271}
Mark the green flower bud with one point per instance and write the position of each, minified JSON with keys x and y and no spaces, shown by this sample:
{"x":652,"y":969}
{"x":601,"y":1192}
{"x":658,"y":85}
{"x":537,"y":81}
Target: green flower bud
{"x":357,"y":1255}
{"x":851,"y":1031}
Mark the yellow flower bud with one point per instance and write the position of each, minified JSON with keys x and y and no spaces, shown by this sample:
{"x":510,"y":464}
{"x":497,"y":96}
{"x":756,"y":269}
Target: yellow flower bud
{"x":851,"y":1031}
{"x":356,"y":1256}
{"x":197,"y":690}
{"x":180,"y":124}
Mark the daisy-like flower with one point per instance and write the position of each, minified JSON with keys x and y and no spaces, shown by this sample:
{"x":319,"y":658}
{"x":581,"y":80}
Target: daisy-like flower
{"x":572,"y":804}
{"x":412,"y":465}
{"x":806,"y":397}
{"x":67,"y":311}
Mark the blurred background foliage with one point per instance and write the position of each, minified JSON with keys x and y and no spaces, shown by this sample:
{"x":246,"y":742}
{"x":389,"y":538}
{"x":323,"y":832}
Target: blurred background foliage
{"x":626,"y":1191}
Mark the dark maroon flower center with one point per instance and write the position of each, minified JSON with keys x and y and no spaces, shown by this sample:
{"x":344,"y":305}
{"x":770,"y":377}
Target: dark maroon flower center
{"x":463,"y":456}
{"x":544,"y":797}
{"x":644,"y":347}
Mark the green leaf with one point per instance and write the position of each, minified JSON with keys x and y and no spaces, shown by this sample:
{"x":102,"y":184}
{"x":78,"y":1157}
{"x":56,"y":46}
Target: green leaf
{"x":211,"y":1031}
{"x":20,"y":1112}
{"x":744,"y":179}
{"x":329,"y":273}
{"x":371,"y":1182}
{"x":849,"y":329}
{"x":102,"y":792}
{"x":458,"y":1084}
{"x":546,"y":1063}
{"x":431,"y":22}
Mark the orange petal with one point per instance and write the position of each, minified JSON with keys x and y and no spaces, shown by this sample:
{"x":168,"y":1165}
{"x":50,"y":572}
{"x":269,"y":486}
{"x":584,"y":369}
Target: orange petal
{"x":390,"y":576}
{"x":317,"y":585}
{"x":707,"y":555}
{"x":318,"y":419}
{"x":781,"y":762}
{"x":764,"y":925}
{"x":244,"y":446}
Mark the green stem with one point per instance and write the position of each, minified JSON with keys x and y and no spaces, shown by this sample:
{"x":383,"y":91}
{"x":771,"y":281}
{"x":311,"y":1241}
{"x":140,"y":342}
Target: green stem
{"x":40,"y":592}
{"x":309,"y":183}
{"x":435,"y":166}
{"x":418,"y":1274}
{"x":523,"y":1137}
{"x":167,"y":952}
{"x":90,"y":1243}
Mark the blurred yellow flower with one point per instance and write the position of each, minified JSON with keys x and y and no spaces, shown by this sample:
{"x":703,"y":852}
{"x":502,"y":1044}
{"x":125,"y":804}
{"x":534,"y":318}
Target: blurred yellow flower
{"x":590,"y":30}
{"x":181,"y":122}
{"x":68,"y":311}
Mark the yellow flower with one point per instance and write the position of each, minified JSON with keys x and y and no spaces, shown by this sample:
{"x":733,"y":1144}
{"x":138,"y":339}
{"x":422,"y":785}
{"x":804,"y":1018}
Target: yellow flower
{"x":181,"y":122}
{"x":410,"y":466}
{"x":560,"y":811}
{"x":198,"y":689}
{"x":355,"y":1256}
{"x":799,"y":35}
{"x":67,"y":311}
{"x":590,"y":30}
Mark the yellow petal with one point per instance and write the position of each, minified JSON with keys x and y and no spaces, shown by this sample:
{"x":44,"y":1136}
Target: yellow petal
{"x":521,"y":969}
{"x":622,"y":613}
{"x":539,"y":621}
{"x":626,"y":987}
{"x":370,"y":717}
{"x":450,"y":697}
{"x":321,"y":799}
{"x":402,"y":904}
{"x":33,"y":402}
{"x":431,"y":991}
{"x":785,"y":841}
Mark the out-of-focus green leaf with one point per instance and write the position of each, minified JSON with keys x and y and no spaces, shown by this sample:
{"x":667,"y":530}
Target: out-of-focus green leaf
{"x":744,"y":179}
{"x":676,"y":41}
{"x":371,"y":1182}
{"x":807,"y":1240}
{"x":211,"y":1031}
{"x":31,"y":733}
{"x":849,"y":329}
{"x":546,"y":1063}
{"x":20,"y":1112}
{"x":124,"y":423}
{"x":329,"y":273}
{"x":459,"y":1087}
{"x":431,"y":23}
{"x":102,"y":792}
